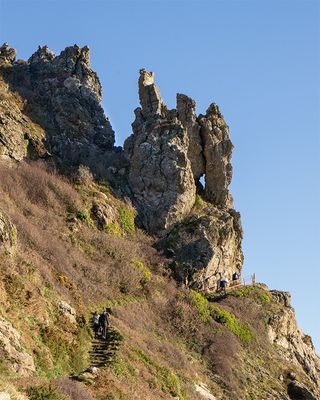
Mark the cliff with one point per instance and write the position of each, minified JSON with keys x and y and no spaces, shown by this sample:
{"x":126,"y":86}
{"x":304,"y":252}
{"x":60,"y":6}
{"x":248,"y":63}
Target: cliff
{"x":147,"y":231}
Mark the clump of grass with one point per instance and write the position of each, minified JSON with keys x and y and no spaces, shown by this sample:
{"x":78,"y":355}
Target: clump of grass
{"x":232,"y":323}
{"x":127,"y":217}
{"x":201,"y":304}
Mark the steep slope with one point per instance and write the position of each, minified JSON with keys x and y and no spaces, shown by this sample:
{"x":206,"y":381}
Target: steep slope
{"x":70,"y":245}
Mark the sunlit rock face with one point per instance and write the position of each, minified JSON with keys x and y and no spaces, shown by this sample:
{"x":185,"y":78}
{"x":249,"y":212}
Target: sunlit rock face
{"x":168,"y":154}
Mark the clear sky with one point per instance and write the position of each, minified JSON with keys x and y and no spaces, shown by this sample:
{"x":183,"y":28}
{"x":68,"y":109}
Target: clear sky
{"x":259,"y":61}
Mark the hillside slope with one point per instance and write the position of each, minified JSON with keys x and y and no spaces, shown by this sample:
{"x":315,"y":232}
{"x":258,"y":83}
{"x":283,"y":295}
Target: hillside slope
{"x":73,"y":240}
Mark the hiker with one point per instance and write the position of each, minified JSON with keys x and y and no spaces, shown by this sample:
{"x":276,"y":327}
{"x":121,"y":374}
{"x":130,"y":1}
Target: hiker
{"x":223,"y":284}
{"x":96,"y":324}
{"x":104,"y":323}
{"x":235,"y":276}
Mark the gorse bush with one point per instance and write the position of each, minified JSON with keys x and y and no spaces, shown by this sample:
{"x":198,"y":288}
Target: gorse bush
{"x":201,"y":304}
{"x":232,"y":323}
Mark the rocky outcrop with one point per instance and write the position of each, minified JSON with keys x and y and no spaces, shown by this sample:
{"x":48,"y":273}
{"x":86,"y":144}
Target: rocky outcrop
{"x":67,"y":311}
{"x":7,"y":54}
{"x":168,"y":153}
{"x":62,"y":94}
{"x":11,"y":350}
{"x":160,"y":174}
{"x":8,"y":235}
{"x":292,"y":343}
{"x":205,"y":247}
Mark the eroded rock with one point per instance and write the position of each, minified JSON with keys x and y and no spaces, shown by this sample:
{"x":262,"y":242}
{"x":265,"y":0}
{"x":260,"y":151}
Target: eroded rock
{"x":11,"y":350}
{"x":63,"y":95}
{"x":160,"y":174}
{"x":292,"y":344}
{"x":205,"y":247}
{"x":168,"y":153}
{"x":66,"y":310}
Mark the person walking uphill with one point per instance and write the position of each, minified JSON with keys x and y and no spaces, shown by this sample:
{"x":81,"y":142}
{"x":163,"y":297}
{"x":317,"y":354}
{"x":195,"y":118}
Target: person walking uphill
{"x":104,"y":323}
{"x":96,"y":323}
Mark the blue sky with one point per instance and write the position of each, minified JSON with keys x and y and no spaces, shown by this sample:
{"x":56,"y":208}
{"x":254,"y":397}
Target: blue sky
{"x":259,"y":61}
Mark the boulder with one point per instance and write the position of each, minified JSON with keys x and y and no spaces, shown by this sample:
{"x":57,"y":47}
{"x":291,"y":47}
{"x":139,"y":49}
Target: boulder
{"x":297,"y":391}
{"x":104,"y":214}
{"x":66,"y":310}
{"x":11,"y":350}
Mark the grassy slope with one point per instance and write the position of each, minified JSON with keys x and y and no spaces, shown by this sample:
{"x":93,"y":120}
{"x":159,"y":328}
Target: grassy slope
{"x":172,"y":338}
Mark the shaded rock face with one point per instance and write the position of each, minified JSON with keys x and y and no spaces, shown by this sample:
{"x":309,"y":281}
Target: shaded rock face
{"x":168,"y":153}
{"x":292,"y":343}
{"x":63,"y":95}
{"x":8,"y":235}
{"x":205,"y":247}
{"x":297,"y":391}
{"x":11,"y":350}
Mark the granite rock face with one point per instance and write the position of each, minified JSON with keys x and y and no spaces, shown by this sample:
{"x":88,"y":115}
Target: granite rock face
{"x":168,"y":153}
{"x":292,"y":344}
{"x":160,"y":174}
{"x":206,"y":246}
{"x":62,"y":94}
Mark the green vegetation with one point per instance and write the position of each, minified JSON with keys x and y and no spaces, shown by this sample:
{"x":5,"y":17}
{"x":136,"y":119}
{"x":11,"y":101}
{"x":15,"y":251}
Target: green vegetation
{"x":127,"y":217}
{"x":256,"y":294}
{"x":45,"y":392}
{"x":56,"y":356}
{"x":144,"y":269}
{"x":114,"y":229}
{"x":84,"y":217}
{"x":122,"y":367}
{"x":201,"y":304}
{"x":232,"y":323}
{"x":199,"y":202}
{"x":164,"y":377}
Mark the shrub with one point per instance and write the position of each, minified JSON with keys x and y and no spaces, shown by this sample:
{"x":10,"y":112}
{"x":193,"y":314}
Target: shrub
{"x":201,"y":304}
{"x":84,"y":217}
{"x":44,"y":392}
{"x":127,"y":219}
{"x":114,"y":229}
{"x":84,"y":175}
{"x":232,"y":323}
{"x":145,"y":271}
